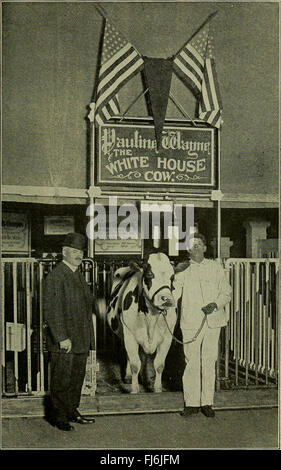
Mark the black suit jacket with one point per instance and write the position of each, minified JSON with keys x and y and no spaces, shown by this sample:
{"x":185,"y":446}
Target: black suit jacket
{"x":67,"y":307}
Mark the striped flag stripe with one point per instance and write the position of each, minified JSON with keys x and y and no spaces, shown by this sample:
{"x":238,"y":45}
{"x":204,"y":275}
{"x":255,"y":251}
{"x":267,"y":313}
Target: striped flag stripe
{"x":120,"y":61}
{"x":187,"y":73}
{"x":216,"y":83}
{"x":211,"y":85}
{"x":205,"y":97}
{"x":212,"y":117}
{"x":210,"y":91}
{"x":98,"y":119}
{"x":189,"y":66}
{"x":108,"y":93}
{"x":195,"y":54}
{"x":126,"y":75}
{"x":216,"y":119}
{"x":192,"y":65}
{"x":115,"y":58}
{"x":104,"y":113}
{"x":114,"y":106}
{"x":116,"y":69}
{"x":195,"y":66}
{"x":113,"y":85}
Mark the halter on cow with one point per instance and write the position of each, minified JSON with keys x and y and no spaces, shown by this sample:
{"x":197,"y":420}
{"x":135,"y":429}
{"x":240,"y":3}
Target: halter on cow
{"x":142,"y":311}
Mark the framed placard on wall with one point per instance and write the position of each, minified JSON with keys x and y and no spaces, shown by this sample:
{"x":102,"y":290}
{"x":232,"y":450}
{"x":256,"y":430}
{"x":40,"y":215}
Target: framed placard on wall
{"x":58,"y":224}
{"x":127,"y":156}
{"x":15,"y":233}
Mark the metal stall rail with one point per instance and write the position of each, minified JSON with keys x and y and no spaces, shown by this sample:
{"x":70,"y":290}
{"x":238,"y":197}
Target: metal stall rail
{"x":249,"y":343}
{"x":25,"y":368}
{"x":248,"y":346}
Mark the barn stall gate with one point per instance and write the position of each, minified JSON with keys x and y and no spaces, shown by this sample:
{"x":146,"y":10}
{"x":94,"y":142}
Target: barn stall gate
{"x":248,"y":351}
{"x":25,"y":368}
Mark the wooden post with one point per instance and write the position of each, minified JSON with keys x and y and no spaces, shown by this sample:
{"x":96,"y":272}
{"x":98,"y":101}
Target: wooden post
{"x":93,"y":192}
{"x":91,"y":247}
{"x":218,"y":229}
{"x":3,"y":329}
{"x":219,"y":200}
{"x":216,"y":196}
{"x":28,"y":327}
{"x":41,"y":344}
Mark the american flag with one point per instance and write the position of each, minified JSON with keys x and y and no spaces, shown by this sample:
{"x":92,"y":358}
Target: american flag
{"x":120,"y":61}
{"x":194,"y":64}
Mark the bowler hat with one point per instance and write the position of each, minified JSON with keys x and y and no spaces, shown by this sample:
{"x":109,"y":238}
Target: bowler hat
{"x":75,"y":240}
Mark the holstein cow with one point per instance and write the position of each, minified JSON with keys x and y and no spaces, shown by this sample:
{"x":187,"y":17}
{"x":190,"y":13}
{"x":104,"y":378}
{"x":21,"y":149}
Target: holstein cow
{"x":142,"y":311}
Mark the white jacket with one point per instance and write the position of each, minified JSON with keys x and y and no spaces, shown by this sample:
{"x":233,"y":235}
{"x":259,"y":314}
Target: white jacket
{"x":199,"y":285}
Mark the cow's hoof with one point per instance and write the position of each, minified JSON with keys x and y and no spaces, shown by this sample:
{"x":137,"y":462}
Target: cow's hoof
{"x":158,"y":390}
{"x":134,"y":392}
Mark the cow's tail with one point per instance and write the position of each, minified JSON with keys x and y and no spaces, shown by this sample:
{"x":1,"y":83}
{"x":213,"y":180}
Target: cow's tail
{"x":100,"y":308}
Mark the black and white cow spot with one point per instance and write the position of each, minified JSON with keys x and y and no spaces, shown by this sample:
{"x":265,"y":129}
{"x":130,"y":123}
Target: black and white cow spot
{"x":130,"y":297}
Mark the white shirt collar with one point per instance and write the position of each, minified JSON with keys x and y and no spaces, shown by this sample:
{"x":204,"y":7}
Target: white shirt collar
{"x":73,"y":268}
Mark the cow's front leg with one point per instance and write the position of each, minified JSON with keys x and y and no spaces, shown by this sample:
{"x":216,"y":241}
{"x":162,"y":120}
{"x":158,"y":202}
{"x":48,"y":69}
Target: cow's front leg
{"x":128,"y":374}
{"x":132,"y":349}
{"x":159,"y":362}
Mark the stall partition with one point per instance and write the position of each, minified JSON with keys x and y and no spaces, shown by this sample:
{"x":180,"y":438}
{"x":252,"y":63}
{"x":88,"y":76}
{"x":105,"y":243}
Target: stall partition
{"x":248,"y":353}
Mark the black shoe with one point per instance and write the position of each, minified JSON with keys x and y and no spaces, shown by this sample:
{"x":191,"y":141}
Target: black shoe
{"x":208,"y":411}
{"x":189,"y":411}
{"x":63,"y":426}
{"x":78,"y":418}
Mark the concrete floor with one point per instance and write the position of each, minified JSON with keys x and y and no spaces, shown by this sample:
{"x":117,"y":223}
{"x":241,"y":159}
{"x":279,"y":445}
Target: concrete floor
{"x":230,"y":429}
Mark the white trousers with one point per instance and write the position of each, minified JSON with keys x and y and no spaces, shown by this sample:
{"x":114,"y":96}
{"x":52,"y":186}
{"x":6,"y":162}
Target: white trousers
{"x":200,"y":371}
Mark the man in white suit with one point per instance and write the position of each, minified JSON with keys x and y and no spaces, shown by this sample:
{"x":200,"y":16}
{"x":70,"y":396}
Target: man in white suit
{"x":205,"y":291}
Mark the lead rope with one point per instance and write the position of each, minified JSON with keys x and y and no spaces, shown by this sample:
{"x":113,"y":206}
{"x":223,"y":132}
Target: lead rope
{"x":146,"y":324}
{"x":164,"y":314}
{"x":197,"y":332}
{"x":192,"y":339}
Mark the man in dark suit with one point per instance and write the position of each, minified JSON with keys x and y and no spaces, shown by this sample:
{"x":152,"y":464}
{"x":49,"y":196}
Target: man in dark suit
{"x":67,"y":305}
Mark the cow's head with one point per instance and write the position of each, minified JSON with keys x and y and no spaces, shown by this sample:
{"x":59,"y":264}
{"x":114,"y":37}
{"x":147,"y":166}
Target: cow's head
{"x":158,"y":275}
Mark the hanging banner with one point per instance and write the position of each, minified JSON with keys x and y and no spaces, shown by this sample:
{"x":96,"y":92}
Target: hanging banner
{"x":128,"y":156}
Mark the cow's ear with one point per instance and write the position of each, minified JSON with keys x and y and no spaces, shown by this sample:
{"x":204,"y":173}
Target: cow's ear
{"x":148,"y":274}
{"x":182,"y":266}
{"x":135,"y":266}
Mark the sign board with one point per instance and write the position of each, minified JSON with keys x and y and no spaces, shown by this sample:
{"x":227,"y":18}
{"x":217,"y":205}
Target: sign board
{"x":107,"y":246}
{"x":15,"y":233}
{"x":128,"y":156}
{"x":58,"y":225}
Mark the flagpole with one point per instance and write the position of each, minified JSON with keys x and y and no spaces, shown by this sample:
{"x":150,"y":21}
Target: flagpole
{"x":135,"y":100}
{"x":101,"y":10}
{"x":180,"y":108}
{"x":210,"y":17}
{"x":103,"y":13}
